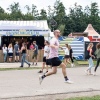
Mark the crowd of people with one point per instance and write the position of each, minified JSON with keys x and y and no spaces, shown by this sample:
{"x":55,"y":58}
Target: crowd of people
{"x":90,"y":54}
{"x":14,"y":51}
{"x":51,"y":56}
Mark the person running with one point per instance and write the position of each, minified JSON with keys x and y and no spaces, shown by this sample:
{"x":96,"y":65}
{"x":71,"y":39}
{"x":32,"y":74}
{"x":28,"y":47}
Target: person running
{"x":16,"y":51}
{"x":71,"y":56}
{"x":4,"y":48}
{"x":24,"y":53}
{"x":35,"y":53}
{"x":89,"y":56}
{"x":55,"y":61}
{"x":46,"y":52}
{"x":97,"y":52}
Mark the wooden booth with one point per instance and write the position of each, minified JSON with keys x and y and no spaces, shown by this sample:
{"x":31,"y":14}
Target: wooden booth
{"x":24,"y":31}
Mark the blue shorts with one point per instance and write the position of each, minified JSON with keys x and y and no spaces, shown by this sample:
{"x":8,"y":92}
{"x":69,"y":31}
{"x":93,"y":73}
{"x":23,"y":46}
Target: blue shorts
{"x":16,"y":53}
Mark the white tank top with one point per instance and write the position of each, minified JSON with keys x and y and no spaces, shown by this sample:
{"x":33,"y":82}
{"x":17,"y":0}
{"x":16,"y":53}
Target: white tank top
{"x":10,"y":50}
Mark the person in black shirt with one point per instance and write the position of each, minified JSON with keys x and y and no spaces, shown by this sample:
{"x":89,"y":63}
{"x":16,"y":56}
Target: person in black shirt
{"x":71,"y":55}
{"x":24,"y":52}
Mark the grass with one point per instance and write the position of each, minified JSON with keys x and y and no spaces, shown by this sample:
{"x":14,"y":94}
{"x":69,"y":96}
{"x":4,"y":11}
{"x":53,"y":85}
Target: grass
{"x":77,"y":63}
{"x":85,"y":98}
{"x":84,"y":62}
{"x":24,"y":68}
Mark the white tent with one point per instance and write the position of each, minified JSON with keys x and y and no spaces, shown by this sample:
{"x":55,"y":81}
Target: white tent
{"x":51,"y":34}
{"x":91,"y":31}
{"x":24,"y":28}
{"x":86,"y":39}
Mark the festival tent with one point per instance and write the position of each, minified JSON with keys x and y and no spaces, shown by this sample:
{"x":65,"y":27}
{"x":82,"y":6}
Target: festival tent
{"x":16,"y":28}
{"x":92,"y":34}
{"x":24,"y":31}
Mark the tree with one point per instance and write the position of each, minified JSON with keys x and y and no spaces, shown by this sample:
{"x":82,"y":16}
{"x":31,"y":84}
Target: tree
{"x":94,"y":17}
{"x":15,"y":10}
{"x":28,"y":9}
{"x":75,"y":21}
{"x":35,"y":12}
{"x":59,"y":13}
{"x":43,"y":15}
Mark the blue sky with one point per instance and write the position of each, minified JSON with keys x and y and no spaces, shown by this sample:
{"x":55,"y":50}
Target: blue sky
{"x":45,"y":3}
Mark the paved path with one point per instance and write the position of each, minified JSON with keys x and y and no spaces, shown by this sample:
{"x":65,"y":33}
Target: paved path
{"x":17,"y":65}
{"x":25,"y":83}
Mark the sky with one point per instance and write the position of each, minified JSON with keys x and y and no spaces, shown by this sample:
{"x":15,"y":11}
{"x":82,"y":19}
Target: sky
{"x":45,"y":3}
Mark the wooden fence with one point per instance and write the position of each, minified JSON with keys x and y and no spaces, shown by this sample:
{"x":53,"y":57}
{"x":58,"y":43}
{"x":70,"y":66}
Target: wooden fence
{"x":29,"y":58}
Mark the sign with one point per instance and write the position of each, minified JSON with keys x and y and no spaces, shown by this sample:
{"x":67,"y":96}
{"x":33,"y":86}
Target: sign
{"x":22,"y":32}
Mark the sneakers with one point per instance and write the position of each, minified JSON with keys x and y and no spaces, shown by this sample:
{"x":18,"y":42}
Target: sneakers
{"x":29,"y":65}
{"x":72,"y":65}
{"x":36,"y":64}
{"x":94,"y":74}
{"x":86,"y":72}
{"x":40,"y":71}
{"x":68,"y":81}
{"x":46,"y":72}
{"x":40,"y":79}
{"x":21,"y":66}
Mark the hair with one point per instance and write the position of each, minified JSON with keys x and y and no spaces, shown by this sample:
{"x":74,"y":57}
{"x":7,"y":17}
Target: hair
{"x":4,"y":46}
{"x":10,"y":45}
{"x":34,"y":41}
{"x":56,"y":31}
{"x":25,"y":46}
{"x":47,"y":42}
{"x":89,"y":46}
{"x":98,"y":46}
{"x":67,"y":45}
{"x":16,"y":42}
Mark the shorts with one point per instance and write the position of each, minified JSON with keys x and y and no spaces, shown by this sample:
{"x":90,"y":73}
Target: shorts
{"x":34,"y":56}
{"x":10,"y":55}
{"x":16,"y":53}
{"x":67,"y":56}
{"x":48,"y":61}
{"x":55,"y":62}
{"x":44,"y":59}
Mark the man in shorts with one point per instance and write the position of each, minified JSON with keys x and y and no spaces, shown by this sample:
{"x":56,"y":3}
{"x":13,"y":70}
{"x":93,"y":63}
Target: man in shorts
{"x":55,"y":61}
{"x":16,"y":51}
{"x":35,"y":53}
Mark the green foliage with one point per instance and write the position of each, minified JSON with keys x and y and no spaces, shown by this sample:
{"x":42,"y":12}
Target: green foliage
{"x":76,"y":21}
{"x":85,"y":98}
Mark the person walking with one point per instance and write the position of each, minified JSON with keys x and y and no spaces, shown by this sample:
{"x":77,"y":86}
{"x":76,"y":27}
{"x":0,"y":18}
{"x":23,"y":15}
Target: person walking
{"x":46,"y":53}
{"x":55,"y":61}
{"x":24,"y":54}
{"x":10,"y":52}
{"x":66,"y":58}
{"x":71,"y":56}
{"x":97,"y":53}
{"x":89,"y":56}
{"x":16,"y":51}
{"x":35,"y":53}
{"x":4,"y":48}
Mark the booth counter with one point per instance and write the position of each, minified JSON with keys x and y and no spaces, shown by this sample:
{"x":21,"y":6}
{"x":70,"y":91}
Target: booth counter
{"x":29,"y":58}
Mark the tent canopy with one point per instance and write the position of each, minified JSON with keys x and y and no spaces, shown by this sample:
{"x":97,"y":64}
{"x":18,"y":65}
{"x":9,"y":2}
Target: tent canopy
{"x":91,"y":31}
{"x":34,"y":25}
{"x":16,"y":28}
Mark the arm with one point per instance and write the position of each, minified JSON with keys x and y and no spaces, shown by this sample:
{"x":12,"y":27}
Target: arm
{"x":34,"y":49}
{"x":91,"y":53}
{"x":21,"y":49}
